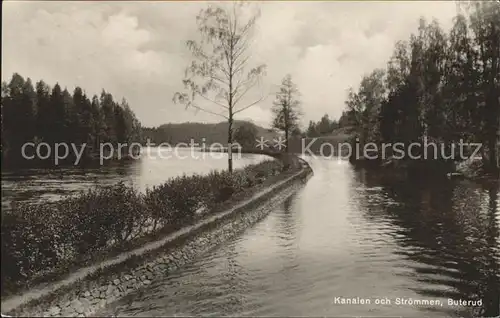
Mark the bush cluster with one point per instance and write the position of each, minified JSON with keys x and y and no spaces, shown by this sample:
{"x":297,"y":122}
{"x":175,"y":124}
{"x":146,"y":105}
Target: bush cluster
{"x":42,"y":239}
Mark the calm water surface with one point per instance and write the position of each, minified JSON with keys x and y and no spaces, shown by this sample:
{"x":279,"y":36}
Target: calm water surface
{"x":35,"y":185}
{"x":347,"y":233}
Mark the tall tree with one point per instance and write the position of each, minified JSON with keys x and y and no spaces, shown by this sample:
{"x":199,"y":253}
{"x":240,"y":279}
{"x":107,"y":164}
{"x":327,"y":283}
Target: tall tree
{"x":70,"y":119}
{"x":344,"y":119}
{"x":18,"y":114}
{"x":45,"y":116}
{"x":57,"y":104}
{"x":485,"y":24}
{"x":108,"y":110}
{"x":312,"y":130}
{"x":246,"y":135}
{"x":87,"y":122}
{"x":365,"y":104}
{"x":286,"y":108}
{"x":220,"y":73}
{"x":99,"y":127}
{"x":325,"y":125}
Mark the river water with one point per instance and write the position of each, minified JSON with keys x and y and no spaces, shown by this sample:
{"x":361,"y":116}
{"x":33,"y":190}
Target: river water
{"x":348,"y":234}
{"x":153,"y":168}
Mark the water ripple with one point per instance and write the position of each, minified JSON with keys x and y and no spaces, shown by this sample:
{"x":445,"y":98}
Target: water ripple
{"x":347,"y":234}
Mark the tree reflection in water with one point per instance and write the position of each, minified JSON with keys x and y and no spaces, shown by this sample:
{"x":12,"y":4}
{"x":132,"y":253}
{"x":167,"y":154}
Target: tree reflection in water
{"x":449,"y":231}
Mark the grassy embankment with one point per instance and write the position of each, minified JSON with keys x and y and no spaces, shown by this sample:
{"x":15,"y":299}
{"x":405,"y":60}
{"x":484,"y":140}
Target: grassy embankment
{"x":41,"y":243}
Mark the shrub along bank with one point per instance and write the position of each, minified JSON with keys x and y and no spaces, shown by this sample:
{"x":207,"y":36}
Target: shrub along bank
{"x":40,"y":242}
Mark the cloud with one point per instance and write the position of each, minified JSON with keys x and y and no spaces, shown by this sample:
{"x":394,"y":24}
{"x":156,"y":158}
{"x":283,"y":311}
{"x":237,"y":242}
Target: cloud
{"x":137,"y":50}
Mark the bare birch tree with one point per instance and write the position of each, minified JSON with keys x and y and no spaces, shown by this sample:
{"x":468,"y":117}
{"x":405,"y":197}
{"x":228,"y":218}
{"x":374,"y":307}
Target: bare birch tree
{"x":220,"y":74}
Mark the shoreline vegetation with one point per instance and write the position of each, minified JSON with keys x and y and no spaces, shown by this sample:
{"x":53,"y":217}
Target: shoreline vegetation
{"x":41,"y":114}
{"x":90,"y":288}
{"x":439,"y":86}
{"x":41,"y":243}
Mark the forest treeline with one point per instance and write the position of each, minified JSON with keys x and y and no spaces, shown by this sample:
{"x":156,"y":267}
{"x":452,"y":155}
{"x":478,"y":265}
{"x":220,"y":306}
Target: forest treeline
{"x":326,"y":126}
{"x":439,"y":86}
{"x":54,"y":115}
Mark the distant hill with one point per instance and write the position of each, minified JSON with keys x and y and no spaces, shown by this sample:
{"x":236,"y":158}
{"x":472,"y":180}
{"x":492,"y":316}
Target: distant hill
{"x":184,"y":132}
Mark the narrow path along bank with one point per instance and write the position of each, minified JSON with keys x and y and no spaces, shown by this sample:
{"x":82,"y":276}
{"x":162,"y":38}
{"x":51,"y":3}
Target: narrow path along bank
{"x":93,"y":287}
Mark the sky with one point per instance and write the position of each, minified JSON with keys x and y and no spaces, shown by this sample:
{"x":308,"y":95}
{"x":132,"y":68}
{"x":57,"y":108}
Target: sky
{"x":137,"y":50}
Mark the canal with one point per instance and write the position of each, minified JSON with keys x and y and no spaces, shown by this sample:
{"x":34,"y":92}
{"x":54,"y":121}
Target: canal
{"x":398,"y":248}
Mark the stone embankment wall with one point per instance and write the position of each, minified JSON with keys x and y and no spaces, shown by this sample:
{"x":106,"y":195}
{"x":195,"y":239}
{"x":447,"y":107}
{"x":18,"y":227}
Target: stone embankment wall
{"x":89,"y":295}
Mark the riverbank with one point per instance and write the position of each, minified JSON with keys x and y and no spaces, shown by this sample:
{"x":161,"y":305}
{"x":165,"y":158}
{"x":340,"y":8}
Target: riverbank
{"x":471,"y":168}
{"x":86,"y":287}
{"x":367,"y":237}
{"x":48,"y":240}
{"x":74,"y":158}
